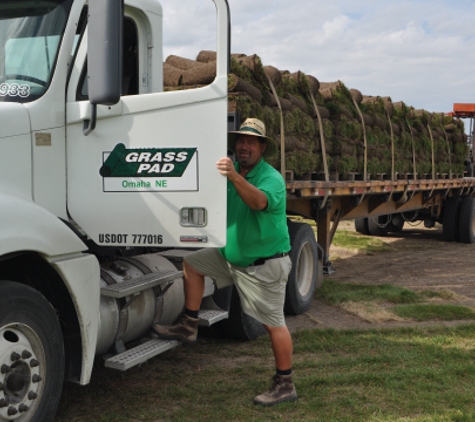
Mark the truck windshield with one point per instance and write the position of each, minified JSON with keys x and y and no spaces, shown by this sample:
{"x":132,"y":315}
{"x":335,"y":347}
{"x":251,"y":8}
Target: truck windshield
{"x":30,"y":36}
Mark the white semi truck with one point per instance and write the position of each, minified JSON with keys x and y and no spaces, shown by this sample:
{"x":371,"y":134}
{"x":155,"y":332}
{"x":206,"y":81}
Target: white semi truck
{"x":106,"y":183}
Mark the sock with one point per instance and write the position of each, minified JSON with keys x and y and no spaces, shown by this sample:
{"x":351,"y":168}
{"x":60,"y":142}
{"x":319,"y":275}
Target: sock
{"x":285,"y":372}
{"x":191,"y":314}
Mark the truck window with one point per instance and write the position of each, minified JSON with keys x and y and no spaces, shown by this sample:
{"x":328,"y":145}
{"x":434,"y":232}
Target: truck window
{"x":188,"y":55}
{"x":81,"y":29}
{"x":130,"y":63}
{"x":178,"y":59}
{"x":30,"y":36}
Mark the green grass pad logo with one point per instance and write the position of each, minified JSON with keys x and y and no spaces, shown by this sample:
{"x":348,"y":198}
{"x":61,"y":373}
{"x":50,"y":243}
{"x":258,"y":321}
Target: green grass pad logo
{"x":146,"y":162}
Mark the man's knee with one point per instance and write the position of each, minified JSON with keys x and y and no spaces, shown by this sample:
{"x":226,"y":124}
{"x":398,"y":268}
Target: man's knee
{"x":280,"y":329}
{"x":190,"y":271}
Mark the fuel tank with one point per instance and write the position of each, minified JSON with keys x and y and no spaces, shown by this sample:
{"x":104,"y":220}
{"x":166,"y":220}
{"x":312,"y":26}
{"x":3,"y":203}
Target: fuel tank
{"x":132,"y":317}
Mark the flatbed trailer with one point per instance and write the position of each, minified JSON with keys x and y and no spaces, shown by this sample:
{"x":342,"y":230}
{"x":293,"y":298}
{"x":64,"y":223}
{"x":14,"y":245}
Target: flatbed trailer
{"x":447,"y":201}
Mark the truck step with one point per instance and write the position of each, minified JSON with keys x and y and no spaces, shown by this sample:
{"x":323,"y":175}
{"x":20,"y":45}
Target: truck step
{"x":138,"y":284}
{"x":211,"y":316}
{"x":140,"y":354}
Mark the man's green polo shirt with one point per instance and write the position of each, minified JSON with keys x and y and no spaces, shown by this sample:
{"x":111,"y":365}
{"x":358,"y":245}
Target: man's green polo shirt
{"x":257,"y":234}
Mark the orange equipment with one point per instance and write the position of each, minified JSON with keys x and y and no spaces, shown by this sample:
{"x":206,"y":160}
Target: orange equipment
{"x":463,"y":110}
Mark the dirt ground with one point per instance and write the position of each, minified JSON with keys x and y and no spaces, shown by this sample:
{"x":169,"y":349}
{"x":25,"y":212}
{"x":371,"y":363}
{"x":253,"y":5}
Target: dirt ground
{"x":419,"y":259}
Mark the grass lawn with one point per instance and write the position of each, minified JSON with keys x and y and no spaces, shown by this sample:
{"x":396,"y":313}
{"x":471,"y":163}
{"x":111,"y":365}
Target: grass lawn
{"x":369,"y":302}
{"x":423,"y":374}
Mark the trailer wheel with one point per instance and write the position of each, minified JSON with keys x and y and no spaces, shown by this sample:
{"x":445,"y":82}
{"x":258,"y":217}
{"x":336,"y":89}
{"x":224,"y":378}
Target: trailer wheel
{"x":361,"y":225}
{"x":240,"y":325}
{"x":31,"y":355}
{"x":378,"y":226}
{"x":467,"y":220}
{"x":450,"y":220}
{"x":396,"y":224}
{"x":303,"y":275}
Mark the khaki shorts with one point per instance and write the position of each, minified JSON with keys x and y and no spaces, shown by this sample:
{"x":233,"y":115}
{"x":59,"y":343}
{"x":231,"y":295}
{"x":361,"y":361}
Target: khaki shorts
{"x":261,"y":288}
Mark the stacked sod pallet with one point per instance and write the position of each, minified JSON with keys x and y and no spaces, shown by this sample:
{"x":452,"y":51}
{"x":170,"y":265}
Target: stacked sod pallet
{"x":360,"y":135}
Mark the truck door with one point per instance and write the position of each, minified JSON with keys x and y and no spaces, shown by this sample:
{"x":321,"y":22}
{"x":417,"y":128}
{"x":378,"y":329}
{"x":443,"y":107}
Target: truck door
{"x":146,"y":175}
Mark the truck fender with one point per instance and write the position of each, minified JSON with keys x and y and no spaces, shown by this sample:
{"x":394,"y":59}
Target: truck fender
{"x":81,"y":275}
{"x":25,"y":226}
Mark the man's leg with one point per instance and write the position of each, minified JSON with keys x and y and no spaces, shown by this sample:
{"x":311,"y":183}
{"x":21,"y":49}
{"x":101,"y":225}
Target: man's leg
{"x":211,"y":263}
{"x":282,"y":388}
{"x":281,"y":346}
{"x":185,"y":329}
{"x":194,"y":286}
{"x":262,"y":292}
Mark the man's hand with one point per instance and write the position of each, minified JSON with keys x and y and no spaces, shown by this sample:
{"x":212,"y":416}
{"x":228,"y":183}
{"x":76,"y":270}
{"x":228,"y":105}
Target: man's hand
{"x":252,"y":197}
{"x":226,"y":167}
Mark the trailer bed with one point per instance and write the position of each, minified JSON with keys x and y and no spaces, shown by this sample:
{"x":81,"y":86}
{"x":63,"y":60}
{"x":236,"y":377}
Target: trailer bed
{"x":329,"y":202}
{"x":320,"y":189}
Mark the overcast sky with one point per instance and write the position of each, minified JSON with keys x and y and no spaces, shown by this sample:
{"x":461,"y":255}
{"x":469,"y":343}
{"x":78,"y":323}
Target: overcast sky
{"x":421,"y":52}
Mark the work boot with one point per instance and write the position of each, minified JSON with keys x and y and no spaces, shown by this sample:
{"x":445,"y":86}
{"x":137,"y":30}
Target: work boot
{"x":184,"y":329}
{"x":281,"y":390}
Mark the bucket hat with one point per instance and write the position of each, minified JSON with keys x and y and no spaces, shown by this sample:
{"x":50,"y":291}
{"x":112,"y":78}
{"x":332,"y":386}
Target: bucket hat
{"x":253,"y":127}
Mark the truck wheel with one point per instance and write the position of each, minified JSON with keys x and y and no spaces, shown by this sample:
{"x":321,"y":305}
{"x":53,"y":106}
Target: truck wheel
{"x":361,"y":225}
{"x":378,"y":225}
{"x":396,"y":224}
{"x":450,"y":220}
{"x":31,"y":355}
{"x":240,"y":325}
{"x":467,"y":220}
{"x":303,"y":275}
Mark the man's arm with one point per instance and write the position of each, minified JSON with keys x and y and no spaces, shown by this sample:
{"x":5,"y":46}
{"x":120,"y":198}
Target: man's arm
{"x":251,"y":196}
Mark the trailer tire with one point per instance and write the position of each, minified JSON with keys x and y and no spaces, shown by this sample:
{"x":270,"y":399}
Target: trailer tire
{"x":467,"y":220}
{"x":303,"y":275}
{"x":31,"y":354}
{"x":450,"y":220}
{"x":378,"y":226}
{"x":361,"y":225}
{"x":240,"y":325}
{"x":396,"y":224}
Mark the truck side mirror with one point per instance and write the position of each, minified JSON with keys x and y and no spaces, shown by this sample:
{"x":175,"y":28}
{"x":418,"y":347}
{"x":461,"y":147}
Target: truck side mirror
{"x":104,"y":57}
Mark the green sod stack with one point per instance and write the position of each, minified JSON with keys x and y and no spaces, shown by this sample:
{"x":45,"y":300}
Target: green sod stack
{"x":360,"y":136}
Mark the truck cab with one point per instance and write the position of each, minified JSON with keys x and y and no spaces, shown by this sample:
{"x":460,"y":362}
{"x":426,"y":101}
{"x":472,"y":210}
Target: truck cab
{"x":100,"y":170}
{"x":151,"y":154}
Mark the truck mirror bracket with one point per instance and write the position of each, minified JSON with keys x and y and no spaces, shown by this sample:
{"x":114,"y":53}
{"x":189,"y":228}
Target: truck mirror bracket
{"x":90,"y":125}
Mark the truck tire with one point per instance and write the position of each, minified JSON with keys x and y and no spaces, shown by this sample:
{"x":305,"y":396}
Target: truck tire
{"x":361,"y":225}
{"x":450,"y":220}
{"x":396,"y":224}
{"x":31,"y":355}
{"x":467,"y":220}
{"x":303,"y":275}
{"x":240,"y":325}
{"x":378,"y":226}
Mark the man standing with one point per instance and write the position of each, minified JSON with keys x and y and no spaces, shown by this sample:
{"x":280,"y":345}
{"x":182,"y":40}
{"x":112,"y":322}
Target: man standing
{"x":255,"y":258}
